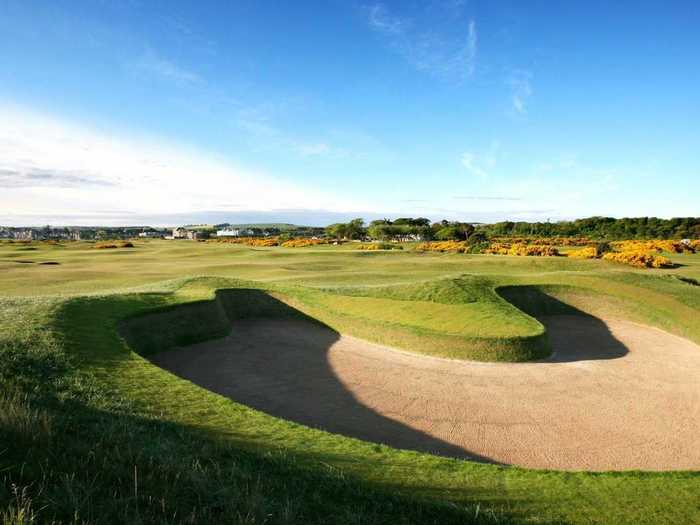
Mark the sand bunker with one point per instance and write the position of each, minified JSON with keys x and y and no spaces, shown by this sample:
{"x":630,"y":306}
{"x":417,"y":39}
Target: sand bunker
{"x":616,"y":395}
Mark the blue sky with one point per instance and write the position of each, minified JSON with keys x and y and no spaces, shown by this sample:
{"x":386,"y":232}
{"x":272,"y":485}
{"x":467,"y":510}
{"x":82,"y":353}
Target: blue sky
{"x":123,"y":112}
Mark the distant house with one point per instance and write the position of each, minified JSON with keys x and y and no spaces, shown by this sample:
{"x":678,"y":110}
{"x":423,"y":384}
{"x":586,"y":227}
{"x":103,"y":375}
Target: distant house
{"x":179,"y":233}
{"x":197,"y":235}
{"x":228,"y":233}
{"x":235,"y":232}
{"x":25,"y":235}
{"x":150,"y":234}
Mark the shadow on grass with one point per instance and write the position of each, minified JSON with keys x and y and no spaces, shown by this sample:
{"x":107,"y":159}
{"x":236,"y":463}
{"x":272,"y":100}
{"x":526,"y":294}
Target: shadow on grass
{"x":105,"y":458}
{"x":91,"y":465}
{"x":287,"y":375}
{"x":573,"y":334}
{"x":290,"y":377}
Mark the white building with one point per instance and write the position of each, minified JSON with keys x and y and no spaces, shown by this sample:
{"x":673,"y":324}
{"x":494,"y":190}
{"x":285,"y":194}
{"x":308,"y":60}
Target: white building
{"x":228,"y":233}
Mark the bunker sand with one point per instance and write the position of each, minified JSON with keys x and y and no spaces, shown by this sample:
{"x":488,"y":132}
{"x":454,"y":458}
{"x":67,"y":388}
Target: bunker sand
{"x":614,"y":396}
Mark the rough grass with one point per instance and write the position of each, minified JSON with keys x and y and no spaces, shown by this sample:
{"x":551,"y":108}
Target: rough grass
{"x":91,"y":432}
{"x":97,"y":435}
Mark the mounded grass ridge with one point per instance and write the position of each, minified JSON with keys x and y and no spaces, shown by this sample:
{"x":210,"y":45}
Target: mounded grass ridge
{"x":416,"y":318}
{"x":91,"y":432}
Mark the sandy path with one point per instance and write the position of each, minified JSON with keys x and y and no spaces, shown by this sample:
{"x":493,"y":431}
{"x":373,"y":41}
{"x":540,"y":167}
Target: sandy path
{"x":615,"y":396}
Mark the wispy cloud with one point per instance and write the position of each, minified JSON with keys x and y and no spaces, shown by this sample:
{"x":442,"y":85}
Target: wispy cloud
{"x":472,"y":42}
{"x":447,"y":50}
{"x":382,"y":20}
{"x":33,"y":177}
{"x":482,"y":164}
{"x":312,"y":150}
{"x":156,"y":65}
{"x":484,"y":198}
{"x":470,"y":162}
{"x":56,"y":167}
{"x":520,"y":83}
{"x":267,"y":136}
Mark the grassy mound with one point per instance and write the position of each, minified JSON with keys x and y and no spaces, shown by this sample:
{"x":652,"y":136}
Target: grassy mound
{"x":84,"y":444}
{"x":459,"y":318}
{"x":91,"y":432}
{"x":95,"y":433}
{"x":464,"y":289}
{"x":465,"y":318}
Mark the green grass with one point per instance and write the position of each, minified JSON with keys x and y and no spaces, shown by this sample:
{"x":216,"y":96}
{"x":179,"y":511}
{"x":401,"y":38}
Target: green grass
{"x":459,"y":318}
{"x":92,"y":432}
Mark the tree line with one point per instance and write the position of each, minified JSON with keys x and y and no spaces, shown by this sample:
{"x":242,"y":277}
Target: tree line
{"x":404,"y":229}
{"x":606,"y":228}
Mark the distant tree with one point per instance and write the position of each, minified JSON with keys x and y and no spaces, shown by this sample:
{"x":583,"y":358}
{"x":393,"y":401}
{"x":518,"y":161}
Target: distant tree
{"x":410,"y":221}
{"x":381,"y":230}
{"x":355,"y":229}
{"x":477,"y":237}
{"x":336,"y":231}
{"x":458,"y":231}
{"x":446,"y":233}
{"x":602,"y":228}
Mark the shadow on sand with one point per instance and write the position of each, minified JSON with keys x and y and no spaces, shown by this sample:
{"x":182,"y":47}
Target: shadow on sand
{"x":164,"y":451}
{"x":573,"y":334}
{"x":275,"y":359}
{"x":289,"y":375}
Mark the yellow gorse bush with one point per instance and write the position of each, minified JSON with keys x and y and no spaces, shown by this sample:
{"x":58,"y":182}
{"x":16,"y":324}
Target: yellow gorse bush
{"x":250,"y":241}
{"x":545,"y":241}
{"x":264,"y":242}
{"x":302,"y":243}
{"x":655,"y":245}
{"x":644,"y":254}
{"x":640,"y":259}
{"x":267,"y":242}
{"x":590,"y":252}
{"x":379,"y":246}
{"x":442,"y":246}
{"x":522,"y":249}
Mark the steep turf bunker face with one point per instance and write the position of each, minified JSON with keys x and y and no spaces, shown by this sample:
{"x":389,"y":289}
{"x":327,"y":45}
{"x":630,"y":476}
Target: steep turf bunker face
{"x":466,"y":318}
{"x":571,"y":411}
{"x":456,"y":318}
{"x":199,"y":321}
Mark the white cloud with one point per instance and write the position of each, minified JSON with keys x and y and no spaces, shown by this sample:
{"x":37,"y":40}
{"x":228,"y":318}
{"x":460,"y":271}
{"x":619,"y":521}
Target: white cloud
{"x":311,"y":150}
{"x":520,"y":82}
{"x":154,"y":64}
{"x":51,"y":167}
{"x":381,"y":20}
{"x":484,"y":198}
{"x":443,"y":50}
{"x":470,"y":162}
{"x":269,"y":137}
{"x":471,"y":48}
{"x":481,"y":165}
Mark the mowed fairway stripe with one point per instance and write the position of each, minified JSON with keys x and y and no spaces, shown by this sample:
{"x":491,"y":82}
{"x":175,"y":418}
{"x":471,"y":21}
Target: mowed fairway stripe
{"x":615,"y":395}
